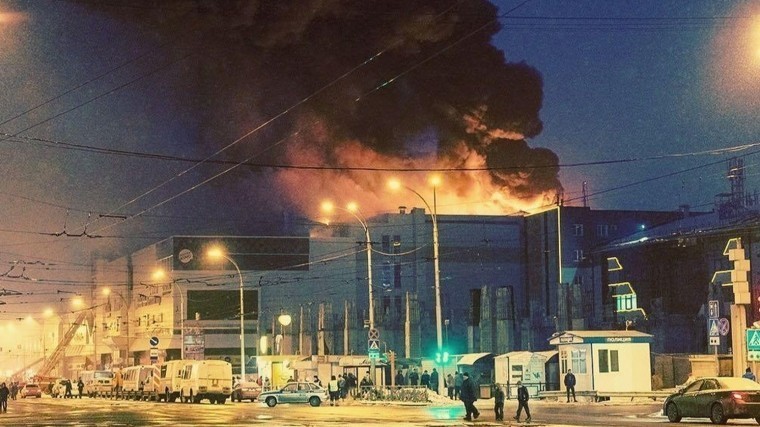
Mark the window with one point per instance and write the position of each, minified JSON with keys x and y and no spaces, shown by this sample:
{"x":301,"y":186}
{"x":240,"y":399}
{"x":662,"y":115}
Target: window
{"x":579,"y":255}
{"x":578,"y":361}
{"x":602,"y":230}
{"x":608,"y":361}
{"x":563,"y":361}
{"x":578,"y":229}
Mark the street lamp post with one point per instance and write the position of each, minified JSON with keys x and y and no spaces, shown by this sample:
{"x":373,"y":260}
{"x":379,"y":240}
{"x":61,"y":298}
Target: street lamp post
{"x":218,"y":253}
{"x":437,"y":271}
{"x":354,"y":211}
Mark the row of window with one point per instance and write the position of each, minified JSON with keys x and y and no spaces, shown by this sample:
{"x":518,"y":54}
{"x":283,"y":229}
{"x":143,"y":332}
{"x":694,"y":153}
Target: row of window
{"x":602,"y":230}
{"x":575,"y":359}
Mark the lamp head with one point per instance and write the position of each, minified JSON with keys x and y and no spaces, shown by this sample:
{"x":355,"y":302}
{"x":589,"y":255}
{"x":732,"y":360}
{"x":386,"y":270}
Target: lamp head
{"x":327,"y":206}
{"x":215,"y":252}
{"x":394,"y":184}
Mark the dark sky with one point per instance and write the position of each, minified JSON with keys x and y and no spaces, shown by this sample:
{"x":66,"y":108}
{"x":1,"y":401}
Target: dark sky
{"x":127,"y":96}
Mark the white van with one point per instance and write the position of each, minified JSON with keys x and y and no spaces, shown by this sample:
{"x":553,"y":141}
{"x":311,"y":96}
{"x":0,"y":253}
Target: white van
{"x":97,"y":383}
{"x":141,"y":382}
{"x":170,"y":379}
{"x":206,"y":379}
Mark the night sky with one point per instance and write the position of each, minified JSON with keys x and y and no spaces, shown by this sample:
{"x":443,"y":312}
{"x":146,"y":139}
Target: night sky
{"x":108,"y":108}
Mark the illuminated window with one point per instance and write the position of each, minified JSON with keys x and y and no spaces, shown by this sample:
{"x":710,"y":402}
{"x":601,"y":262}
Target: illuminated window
{"x":579,"y":255}
{"x":578,"y":229}
{"x":578,"y":361}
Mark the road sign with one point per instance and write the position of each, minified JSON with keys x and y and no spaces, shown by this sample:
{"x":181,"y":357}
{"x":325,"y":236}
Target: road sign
{"x":374,"y":355}
{"x":723,"y":326}
{"x":753,"y":339}
{"x":712,"y":328}
{"x":713,"y":309}
{"x":374,"y":334}
{"x":153,"y":341}
{"x":714,"y":340}
{"x":373,"y":345}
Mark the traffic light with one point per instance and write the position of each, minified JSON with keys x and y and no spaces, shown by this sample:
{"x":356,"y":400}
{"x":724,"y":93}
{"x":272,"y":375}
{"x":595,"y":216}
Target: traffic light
{"x":442,"y":357}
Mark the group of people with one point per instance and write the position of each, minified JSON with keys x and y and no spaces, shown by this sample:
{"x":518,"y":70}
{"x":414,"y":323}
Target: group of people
{"x":454,"y":385}
{"x":342,"y":386}
{"x":468,"y":394}
{"x":413,"y":378}
{"x":466,"y":391}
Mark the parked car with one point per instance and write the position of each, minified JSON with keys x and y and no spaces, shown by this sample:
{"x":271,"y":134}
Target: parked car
{"x":31,"y":390}
{"x":295,"y":392}
{"x":246,"y":390}
{"x":717,"y":398}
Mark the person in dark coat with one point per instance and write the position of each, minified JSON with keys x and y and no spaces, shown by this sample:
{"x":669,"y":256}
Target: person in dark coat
{"x":399,"y":378}
{"x":434,"y":380}
{"x":522,"y":401}
{"x":468,"y":395}
{"x":498,"y":403}
{"x":80,"y":387}
{"x":67,"y":394}
{"x":4,"y":393}
{"x":425,"y":379}
{"x":414,"y":378}
{"x":570,"y":384}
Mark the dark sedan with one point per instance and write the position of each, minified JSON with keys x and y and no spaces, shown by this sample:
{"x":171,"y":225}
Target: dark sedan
{"x":717,"y":398}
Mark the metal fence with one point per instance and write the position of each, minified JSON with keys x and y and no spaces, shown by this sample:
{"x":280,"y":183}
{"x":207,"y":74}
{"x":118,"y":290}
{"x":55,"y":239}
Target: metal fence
{"x":412,"y":394}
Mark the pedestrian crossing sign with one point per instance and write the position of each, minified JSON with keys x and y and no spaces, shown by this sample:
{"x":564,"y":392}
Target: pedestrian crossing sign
{"x":753,"y":339}
{"x":712,"y":328}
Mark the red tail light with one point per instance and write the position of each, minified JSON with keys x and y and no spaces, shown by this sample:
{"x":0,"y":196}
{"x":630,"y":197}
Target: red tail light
{"x":737,"y":396}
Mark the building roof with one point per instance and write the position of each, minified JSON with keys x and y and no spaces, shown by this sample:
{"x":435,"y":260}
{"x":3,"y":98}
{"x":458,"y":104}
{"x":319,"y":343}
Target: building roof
{"x":694,"y":226}
{"x":615,"y":336}
{"x":471,"y":358}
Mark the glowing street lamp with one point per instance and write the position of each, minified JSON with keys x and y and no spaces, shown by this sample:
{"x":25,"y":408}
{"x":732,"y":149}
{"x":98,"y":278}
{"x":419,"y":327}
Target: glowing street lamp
{"x":435,"y":181}
{"x":284,"y":320}
{"x":218,"y":253}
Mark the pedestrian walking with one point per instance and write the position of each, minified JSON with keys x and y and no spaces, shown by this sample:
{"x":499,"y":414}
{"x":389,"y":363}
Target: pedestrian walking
{"x":4,"y":393}
{"x":498,"y":403}
{"x":434,"y":380}
{"x":14,"y":390}
{"x":334,"y":390}
{"x":458,"y":380}
{"x":570,"y":384}
{"x":80,"y":387}
{"x":749,"y":375}
{"x":468,"y":396}
{"x":317,"y":381}
{"x":67,"y":394}
{"x":450,"y":386}
{"x":522,"y":401}
{"x":342,"y":387}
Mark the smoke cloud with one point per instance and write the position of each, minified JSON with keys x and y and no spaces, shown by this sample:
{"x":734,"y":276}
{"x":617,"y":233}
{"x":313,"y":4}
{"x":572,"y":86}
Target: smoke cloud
{"x":435,"y":95}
